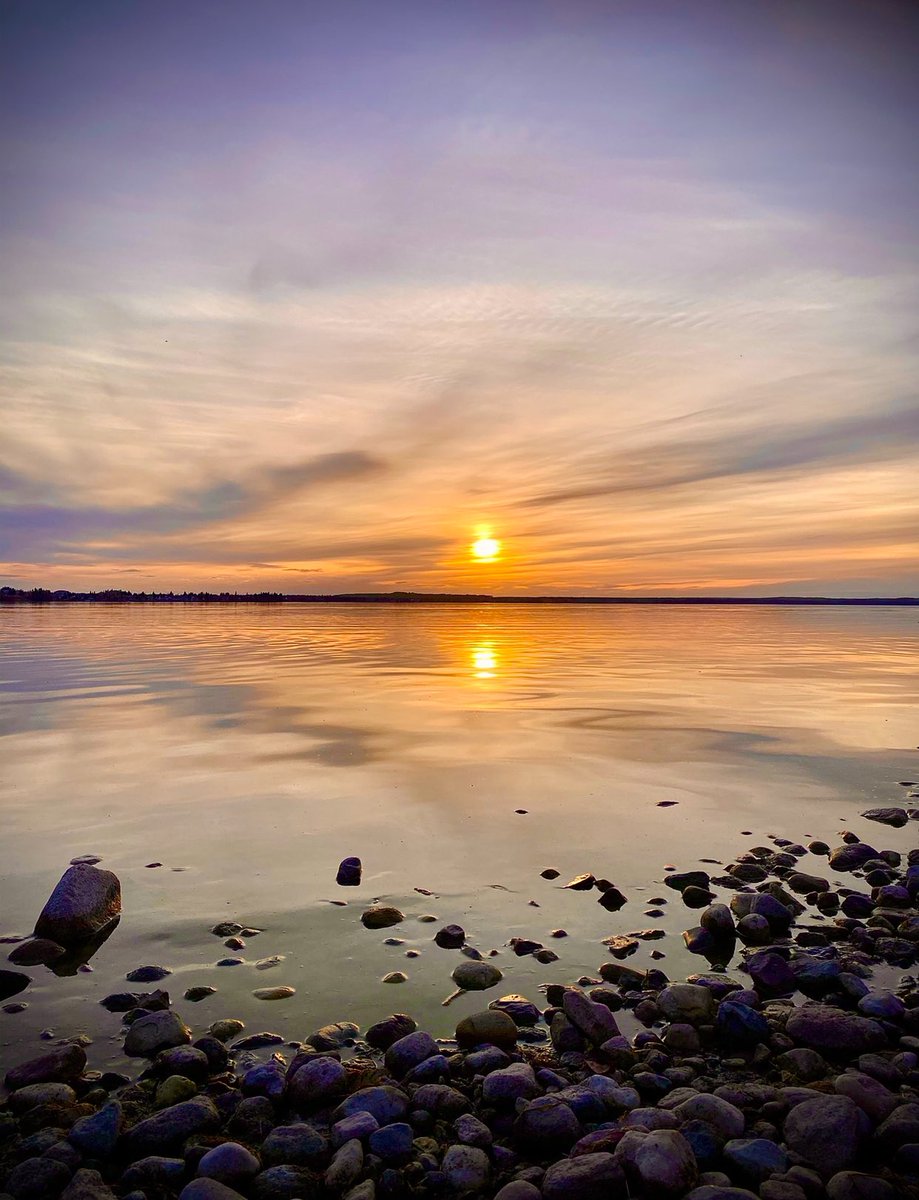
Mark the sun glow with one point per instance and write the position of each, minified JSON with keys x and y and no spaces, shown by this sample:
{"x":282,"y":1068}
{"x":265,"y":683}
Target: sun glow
{"x":486,"y":549}
{"x":484,"y":661}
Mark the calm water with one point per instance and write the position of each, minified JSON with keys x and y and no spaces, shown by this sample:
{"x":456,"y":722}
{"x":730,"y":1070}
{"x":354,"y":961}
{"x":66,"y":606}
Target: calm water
{"x":249,"y":749}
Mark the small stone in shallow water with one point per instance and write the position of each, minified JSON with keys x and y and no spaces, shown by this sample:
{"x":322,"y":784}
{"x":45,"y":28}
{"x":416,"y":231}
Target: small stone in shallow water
{"x":667,"y":803}
{"x":149,"y":974}
{"x":395,"y":977}
{"x":451,"y":937}
{"x":581,"y":883}
{"x":150,"y":866}
{"x":273,"y":960}
{"x":550,"y":873}
{"x":227,"y":962}
{"x":201,"y":992}
{"x":476,"y":976}
{"x":282,"y":992}
{"x":381,"y":916}
{"x":226,"y":929}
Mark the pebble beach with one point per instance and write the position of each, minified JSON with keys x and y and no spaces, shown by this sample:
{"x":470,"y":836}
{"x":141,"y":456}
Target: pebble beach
{"x":787,"y":1069}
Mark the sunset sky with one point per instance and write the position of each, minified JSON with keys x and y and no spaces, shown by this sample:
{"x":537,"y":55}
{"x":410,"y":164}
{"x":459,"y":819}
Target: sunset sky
{"x":310,"y":295}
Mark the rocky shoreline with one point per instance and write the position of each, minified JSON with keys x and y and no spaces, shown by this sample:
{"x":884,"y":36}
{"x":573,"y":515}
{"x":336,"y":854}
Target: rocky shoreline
{"x":791,"y":1076}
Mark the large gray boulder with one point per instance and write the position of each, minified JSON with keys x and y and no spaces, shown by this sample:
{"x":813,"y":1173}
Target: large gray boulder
{"x":85,"y":901}
{"x":827,"y":1132}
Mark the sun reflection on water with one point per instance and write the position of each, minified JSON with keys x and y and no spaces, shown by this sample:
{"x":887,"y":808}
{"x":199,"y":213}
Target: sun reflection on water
{"x":484,"y":661}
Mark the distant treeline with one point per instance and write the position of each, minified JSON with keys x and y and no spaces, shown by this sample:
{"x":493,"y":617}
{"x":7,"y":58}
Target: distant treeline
{"x":10,"y":595}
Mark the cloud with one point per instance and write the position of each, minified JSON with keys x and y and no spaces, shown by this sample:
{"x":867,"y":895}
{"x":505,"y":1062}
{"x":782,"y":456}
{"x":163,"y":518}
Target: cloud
{"x":44,"y":528}
{"x":864,"y":438}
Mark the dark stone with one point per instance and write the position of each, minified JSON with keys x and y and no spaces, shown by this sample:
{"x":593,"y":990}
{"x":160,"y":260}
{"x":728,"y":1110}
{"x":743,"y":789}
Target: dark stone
{"x":451,"y":937}
{"x":85,"y":901}
{"x":349,"y":872}
{"x":12,"y":983}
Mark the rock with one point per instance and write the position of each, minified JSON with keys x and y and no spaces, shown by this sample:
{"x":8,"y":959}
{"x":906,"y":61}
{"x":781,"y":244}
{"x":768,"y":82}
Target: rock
{"x":883,"y":1006}
{"x":226,"y":1029}
{"x":869,"y":1094}
{"x":547,"y":1123}
{"x":37,"y":1179}
{"x":382,"y":1035}
{"x":62,"y":1064}
{"x":408,"y":1052}
{"x":851,"y":1185}
{"x":349,"y":872}
{"x":803,"y":1064}
{"x":381,"y":916}
{"x":168,"y":1129}
{"x":151,"y":973}
{"x":681,"y":880}
{"x":826,"y":1132}
{"x":897,"y":817}
{"x":283,"y":1183}
{"x":696,"y":897}
{"x":491,"y":1027}
{"x":851,"y":855}
{"x":581,"y":883}
{"x":345,"y":1168}
{"x":173,"y":1090}
{"x":393,"y":1143}
{"x":386,"y":1104}
{"x":299,"y":1145}
{"x":281,"y":992}
{"x":740,"y":1027}
{"x":506,"y":1086}
{"x":834,"y":1032}
{"x":762,"y":904}
{"x":476,"y":976}
{"x":722,"y":1116}
{"x":229,"y":1163}
{"x":519,"y":1189}
{"x":717,"y":920}
{"x":97,"y":1135}
{"x":595,"y":1021}
{"x":41,"y":1093}
{"x":687,"y":1002}
{"x":661,"y":1162}
{"x":467,"y":1169}
{"x":717,"y":1192}
{"x":154,"y":1173}
{"x":12,"y":983}
{"x":588,"y":1177}
{"x":317,"y":1083}
{"x":37,"y":952}
{"x":85,"y":901}
{"x":771,"y":974}
{"x":201,"y":992}
{"x":612,"y":899}
{"x":451,"y":937}
{"x":157,"y":1031}
{"x":208,"y":1189}
{"x":802,"y":883}
{"x":472,"y":1132}
{"x":87,"y":1185}
{"x":753,"y":1160}
{"x":754,"y":929}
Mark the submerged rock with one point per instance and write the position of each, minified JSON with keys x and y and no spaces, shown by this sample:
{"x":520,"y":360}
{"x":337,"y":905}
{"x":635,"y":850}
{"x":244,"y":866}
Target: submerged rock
{"x":85,"y":901}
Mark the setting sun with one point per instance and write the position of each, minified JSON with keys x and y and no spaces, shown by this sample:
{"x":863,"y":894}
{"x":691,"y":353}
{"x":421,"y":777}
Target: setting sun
{"x":486,"y":549}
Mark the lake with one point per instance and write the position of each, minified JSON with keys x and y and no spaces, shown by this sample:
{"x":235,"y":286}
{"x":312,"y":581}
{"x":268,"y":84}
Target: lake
{"x":249,"y":748}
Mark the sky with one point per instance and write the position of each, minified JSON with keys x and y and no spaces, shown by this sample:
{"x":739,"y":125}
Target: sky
{"x":307,"y":296}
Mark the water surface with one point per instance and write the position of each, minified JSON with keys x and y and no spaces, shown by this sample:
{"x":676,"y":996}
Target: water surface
{"x":249,"y":748}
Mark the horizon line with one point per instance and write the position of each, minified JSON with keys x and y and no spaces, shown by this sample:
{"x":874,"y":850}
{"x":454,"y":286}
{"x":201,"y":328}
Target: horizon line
{"x":39,"y":595}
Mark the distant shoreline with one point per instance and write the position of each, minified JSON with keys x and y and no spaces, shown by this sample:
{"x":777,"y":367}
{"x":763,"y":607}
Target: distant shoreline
{"x":42,"y":596}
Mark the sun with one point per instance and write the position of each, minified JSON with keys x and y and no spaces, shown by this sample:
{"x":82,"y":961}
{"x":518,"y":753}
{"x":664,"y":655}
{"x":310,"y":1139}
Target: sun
{"x":485,"y":549}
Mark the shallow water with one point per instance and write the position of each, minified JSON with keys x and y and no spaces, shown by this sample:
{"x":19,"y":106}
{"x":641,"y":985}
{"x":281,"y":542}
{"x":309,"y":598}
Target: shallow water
{"x":249,"y":749}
